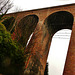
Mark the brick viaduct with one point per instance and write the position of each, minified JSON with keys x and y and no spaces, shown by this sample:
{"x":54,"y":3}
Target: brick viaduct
{"x":47,"y":22}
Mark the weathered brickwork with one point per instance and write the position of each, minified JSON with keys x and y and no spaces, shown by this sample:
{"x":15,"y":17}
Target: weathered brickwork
{"x":50,"y":20}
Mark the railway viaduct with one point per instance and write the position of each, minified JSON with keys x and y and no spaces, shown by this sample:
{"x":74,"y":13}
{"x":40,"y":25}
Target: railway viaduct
{"x":44,"y":23}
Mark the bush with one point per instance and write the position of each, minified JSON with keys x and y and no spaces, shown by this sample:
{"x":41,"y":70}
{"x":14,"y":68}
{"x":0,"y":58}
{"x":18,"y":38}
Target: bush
{"x":11,"y":55}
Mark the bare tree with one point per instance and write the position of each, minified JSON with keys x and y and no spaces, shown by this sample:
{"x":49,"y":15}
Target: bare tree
{"x":5,"y":5}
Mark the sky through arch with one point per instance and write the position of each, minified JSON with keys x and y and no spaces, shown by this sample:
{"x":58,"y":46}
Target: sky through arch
{"x":58,"y":52}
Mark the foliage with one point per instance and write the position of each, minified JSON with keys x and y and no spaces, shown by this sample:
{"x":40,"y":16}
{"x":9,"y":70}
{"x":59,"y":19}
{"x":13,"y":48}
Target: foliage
{"x":11,"y":55}
{"x":9,"y":23}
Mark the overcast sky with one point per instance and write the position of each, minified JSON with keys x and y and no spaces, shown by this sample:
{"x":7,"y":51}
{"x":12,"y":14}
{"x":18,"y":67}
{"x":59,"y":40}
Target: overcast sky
{"x":59,"y":45}
{"x":58,"y":52}
{"x":37,"y":4}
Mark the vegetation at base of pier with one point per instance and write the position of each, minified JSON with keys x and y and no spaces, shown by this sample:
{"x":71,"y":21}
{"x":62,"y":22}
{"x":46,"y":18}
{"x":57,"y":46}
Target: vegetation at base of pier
{"x":11,"y":55}
{"x":13,"y":40}
{"x":11,"y":52}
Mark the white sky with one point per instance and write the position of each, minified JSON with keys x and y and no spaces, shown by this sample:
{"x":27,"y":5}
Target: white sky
{"x":59,"y":47}
{"x":58,"y":51}
{"x":36,"y":4}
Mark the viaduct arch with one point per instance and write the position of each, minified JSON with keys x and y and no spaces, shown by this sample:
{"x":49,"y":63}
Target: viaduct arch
{"x":45,"y":23}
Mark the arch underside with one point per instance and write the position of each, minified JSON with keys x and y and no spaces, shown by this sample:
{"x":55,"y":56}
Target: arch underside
{"x":59,"y":20}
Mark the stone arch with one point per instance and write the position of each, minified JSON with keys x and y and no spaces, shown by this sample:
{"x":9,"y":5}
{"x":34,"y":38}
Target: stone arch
{"x":59,"y":20}
{"x":25,"y":28}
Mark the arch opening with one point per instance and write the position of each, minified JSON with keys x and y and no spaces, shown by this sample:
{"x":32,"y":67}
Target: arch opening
{"x":58,"y":52}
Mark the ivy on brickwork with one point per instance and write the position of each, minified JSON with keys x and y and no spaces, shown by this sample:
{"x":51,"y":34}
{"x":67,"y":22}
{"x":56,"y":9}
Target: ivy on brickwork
{"x":13,"y":40}
{"x":11,"y":55}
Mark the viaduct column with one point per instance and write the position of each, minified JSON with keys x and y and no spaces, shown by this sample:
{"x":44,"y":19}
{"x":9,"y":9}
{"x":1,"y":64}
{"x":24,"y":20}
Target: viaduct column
{"x":70,"y":61}
{"x":37,"y":51}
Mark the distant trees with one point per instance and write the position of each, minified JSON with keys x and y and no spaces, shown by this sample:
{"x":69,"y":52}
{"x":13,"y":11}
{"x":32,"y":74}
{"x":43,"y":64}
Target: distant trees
{"x":46,"y":69}
{"x":5,"y":5}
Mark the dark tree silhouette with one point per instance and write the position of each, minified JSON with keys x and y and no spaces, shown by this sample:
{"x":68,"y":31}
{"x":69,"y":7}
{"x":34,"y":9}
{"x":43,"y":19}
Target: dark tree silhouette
{"x":46,"y":69}
{"x":5,"y":5}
